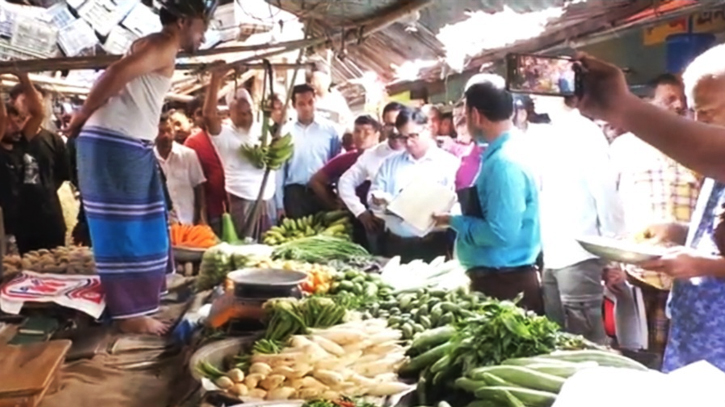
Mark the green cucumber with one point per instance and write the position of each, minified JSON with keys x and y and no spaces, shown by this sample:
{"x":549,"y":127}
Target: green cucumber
{"x":469,"y":385}
{"x":608,"y":359}
{"x":521,"y":376}
{"x":432,"y":338}
{"x":493,"y":380}
{"x":441,"y":364}
{"x":530,"y":398}
{"x":483,"y":403}
{"x":537,"y":360}
{"x":426,"y":359}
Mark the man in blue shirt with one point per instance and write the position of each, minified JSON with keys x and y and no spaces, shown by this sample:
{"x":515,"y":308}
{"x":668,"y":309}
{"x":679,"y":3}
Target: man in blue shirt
{"x":498,"y":238}
{"x":316,"y":141}
{"x":421,"y":160}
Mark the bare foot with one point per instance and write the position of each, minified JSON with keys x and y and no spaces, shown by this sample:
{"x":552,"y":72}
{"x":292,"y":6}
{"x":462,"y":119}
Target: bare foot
{"x":142,"y":325}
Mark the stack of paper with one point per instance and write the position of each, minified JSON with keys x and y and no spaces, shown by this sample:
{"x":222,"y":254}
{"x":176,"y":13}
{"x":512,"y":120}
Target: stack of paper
{"x":419,"y":201}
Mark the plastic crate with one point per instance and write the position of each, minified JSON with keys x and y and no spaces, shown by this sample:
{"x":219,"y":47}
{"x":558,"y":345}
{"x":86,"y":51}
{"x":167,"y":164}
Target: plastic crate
{"x":60,"y":15}
{"x":34,"y":35}
{"x":9,"y":52}
{"x":75,"y":4}
{"x":142,"y":21}
{"x":103,"y":15}
{"x":119,"y":40}
{"x":76,"y":38}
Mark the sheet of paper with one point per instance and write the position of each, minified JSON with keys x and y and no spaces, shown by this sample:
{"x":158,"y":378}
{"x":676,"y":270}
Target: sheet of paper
{"x":419,"y":201}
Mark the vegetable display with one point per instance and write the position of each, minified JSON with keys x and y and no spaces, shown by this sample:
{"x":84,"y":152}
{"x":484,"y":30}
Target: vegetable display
{"x":195,"y":237}
{"x":288,"y":316}
{"x":335,"y":223}
{"x":419,"y":310}
{"x":353,"y":359}
{"x":61,"y":260}
{"x":535,"y":381}
{"x":319,"y":276}
{"x":320,"y":249}
{"x":364,"y":286}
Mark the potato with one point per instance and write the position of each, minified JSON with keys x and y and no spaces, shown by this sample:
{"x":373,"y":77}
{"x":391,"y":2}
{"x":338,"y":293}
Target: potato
{"x":252,"y":380}
{"x":236,"y":375}
{"x":272,"y":382}
{"x":224,"y":383}
{"x":261,"y":368}
{"x":257,"y":394}
{"x":281,"y":393}
{"x":239,"y":389}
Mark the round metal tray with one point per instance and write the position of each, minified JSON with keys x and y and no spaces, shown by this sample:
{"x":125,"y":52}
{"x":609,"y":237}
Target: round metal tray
{"x":188,"y":254}
{"x":217,"y":353}
{"x":267,"y":277}
{"x":620,"y":251}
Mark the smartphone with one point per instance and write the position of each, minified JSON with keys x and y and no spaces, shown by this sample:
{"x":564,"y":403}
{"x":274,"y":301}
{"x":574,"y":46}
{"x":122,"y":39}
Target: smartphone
{"x":541,"y":75}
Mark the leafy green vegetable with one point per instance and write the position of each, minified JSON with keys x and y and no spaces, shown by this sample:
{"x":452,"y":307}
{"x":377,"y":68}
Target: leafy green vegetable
{"x":320,"y":249}
{"x":500,"y":330}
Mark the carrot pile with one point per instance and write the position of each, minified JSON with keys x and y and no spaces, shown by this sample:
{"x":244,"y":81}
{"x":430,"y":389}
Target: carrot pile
{"x":197,"y":236}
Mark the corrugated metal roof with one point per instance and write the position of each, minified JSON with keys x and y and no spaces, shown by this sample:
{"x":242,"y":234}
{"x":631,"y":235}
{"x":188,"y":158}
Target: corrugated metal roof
{"x":398,"y":43}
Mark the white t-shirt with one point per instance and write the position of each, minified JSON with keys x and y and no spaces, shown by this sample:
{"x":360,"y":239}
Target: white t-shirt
{"x":183,"y":173}
{"x":243,"y":179}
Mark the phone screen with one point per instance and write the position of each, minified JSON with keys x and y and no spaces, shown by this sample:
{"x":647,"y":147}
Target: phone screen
{"x":537,"y":74}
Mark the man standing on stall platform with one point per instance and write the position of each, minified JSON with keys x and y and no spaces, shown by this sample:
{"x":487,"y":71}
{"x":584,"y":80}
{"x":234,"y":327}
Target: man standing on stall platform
{"x":118,"y":171}
{"x":498,"y":237}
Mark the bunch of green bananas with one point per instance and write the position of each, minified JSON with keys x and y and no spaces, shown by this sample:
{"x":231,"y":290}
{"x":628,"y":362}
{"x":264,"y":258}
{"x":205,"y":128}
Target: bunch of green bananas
{"x":273,"y":157}
{"x":335,"y":223}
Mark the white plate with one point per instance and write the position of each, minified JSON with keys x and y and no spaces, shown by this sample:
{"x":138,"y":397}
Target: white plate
{"x":620,"y":250}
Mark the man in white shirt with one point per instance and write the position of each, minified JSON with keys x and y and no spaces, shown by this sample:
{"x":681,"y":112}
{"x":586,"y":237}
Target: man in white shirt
{"x":578,"y":197}
{"x":243,"y":181}
{"x":365,"y":169}
{"x":330,"y":104}
{"x":184,"y":176}
{"x":422,"y":159}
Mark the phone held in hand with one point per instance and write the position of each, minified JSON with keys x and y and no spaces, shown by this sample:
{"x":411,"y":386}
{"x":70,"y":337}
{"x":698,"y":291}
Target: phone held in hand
{"x":542,"y":75}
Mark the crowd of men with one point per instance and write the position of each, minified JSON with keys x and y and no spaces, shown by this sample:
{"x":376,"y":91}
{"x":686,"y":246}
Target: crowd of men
{"x":531,"y":176}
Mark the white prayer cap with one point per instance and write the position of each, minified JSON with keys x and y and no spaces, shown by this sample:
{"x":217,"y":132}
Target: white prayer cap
{"x":241,"y":93}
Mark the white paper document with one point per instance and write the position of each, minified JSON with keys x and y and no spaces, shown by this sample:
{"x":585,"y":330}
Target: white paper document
{"x":419,"y":201}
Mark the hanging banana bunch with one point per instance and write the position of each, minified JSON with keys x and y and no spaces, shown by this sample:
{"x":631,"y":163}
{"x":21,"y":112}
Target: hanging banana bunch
{"x":273,"y":157}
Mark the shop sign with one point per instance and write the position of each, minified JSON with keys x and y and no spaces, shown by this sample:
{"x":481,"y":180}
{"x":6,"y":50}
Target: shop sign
{"x":657,"y":34}
{"x":709,"y":21}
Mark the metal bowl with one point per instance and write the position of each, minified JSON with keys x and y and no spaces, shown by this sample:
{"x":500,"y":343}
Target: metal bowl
{"x":217,"y":353}
{"x":188,"y":254}
{"x":619,"y":250}
{"x":267,"y":277}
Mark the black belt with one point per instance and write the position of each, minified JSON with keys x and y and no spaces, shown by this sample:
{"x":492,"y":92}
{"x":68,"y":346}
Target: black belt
{"x":518,"y":269}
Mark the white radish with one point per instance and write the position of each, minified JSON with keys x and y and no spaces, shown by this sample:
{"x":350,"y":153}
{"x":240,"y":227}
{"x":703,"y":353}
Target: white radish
{"x":285,"y":371}
{"x":374,"y":369}
{"x":309,"y":393}
{"x":330,"y":395}
{"x":328,"y":345}
{"x":386,"y":336}
{"x":361,"y":345}
{"x":261,"y":368}
{"x":311,"y":382}
{"x":386,"y":377}
{"x":350,"y":358}
{"x":384,"y":348}
{"x":329,"y":364}
{"x":299,"y":341}
{"x":301,"y":370}
{"x":282,"y":393}
{"x":341,"y":336}
{"x":327,"y":377}
{"x":388,"y":389}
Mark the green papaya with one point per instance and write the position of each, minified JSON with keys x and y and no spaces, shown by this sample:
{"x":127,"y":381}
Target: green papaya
{"x":229,"y":233}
